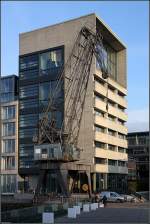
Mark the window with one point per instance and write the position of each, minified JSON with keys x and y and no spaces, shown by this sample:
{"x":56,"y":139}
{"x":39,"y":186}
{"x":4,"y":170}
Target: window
{"x":142,"y":141}
{"x":122,"y":136}
{"x":120,"y":149}
{"x":26,"y":150}
{"x":111,"y":103}
{"x":51,"y":60}
{"x":99,"y":112}
{"x":111,"y":88}
{"x":8,"y":112}
{"x":111,"y":132}
{"x":112,"y":162}
{"x":121,"y":163}
{"x":8,"y":146}
{"x":111,"y":118}
{"x":29,"y":103}
{"x":121,"y":121}
{"x":31,"y":74}
{"x":112,"y":147}
{"x":29,"y":62}
{"x":100,"y":145}
{"x":99,"y":80}
{"x":121,"y":94}
{"x":28,"y":120}
{"x":99,"y":97}
{"x":8,"y":162}
{"x":100,"y":160}
{"x":7,"y":85}
{"x":6,"y":97}
{"x":29,"y":91}
{"x":121,"y":108}
{"x":109,"y":55}
{"x":99,"y":128}
{"x":27,"y":133}
{"x":9,"y":129}
{"x":8,"y":183}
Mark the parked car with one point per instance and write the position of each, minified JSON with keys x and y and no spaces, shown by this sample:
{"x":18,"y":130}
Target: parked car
{"x":128,"y":198}
{"x":112,"y":196}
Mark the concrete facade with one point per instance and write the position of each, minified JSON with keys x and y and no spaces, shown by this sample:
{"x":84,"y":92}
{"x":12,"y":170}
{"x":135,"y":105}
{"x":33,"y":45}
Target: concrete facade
{"x":114,"y":90}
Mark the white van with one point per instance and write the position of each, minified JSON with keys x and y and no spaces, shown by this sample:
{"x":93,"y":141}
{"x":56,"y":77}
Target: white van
{"x":112,"y":196}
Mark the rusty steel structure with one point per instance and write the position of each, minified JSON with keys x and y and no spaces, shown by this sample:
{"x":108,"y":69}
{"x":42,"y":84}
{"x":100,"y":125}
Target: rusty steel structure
{"x":74,"y":81}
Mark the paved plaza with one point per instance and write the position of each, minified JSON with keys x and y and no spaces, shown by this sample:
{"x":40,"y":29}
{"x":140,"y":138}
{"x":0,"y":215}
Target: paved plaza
{"x":112,"y":214}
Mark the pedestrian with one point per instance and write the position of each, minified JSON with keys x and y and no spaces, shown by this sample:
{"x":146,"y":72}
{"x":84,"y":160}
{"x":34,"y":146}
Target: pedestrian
{"x":104,"y":200}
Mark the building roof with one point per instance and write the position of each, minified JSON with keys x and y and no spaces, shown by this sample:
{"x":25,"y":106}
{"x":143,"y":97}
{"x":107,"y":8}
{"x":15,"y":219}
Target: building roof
{"x":141,"y":133}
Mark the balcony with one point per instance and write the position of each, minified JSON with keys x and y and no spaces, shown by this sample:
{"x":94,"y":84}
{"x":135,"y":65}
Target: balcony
{"x":109,"y":154}
{"x":55,"y":152}
{"x":104,"y":168}
{"x":112,"y":140}
{"x":100,"y":104}
{"x":110,"y":124}
{"x":117,"y":113}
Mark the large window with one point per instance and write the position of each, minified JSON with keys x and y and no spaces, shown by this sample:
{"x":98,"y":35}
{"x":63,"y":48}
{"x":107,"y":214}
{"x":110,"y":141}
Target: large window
{"x":50,"y":60}
{"x":8,"y":112}
{"x":29,"y":103}
{"x":7,"y":85}
{"x":112,"y":162}
{"x":8,"y":183}
{"x":31,"y":74}
{"x":8,"y":146}
{"x":29,"y":91}
{"x":8,"y":162}
{"x":27,"y":133}
{"x":109,"y":56}
{"x":28,"y":120}
{"x":99,"y":128}
{"x":100,"y":145}
{"x":100,"y":160}
{"x":9,"y":129}
{"x":28,"y":62}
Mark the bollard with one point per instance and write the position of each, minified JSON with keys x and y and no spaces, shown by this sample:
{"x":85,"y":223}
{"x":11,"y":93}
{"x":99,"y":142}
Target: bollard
{"x":72,"y":213}
{"x":77,"y":207}
{"x":96,"y":205}
{"x":47,"y":217}
{"x":101,"y":205}
{"x":80,"y":204}
{"x":93,"y":207}
{"x":86,"y":208}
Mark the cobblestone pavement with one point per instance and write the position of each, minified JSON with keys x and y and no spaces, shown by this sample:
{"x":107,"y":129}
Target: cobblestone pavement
{"x":113,"y":213}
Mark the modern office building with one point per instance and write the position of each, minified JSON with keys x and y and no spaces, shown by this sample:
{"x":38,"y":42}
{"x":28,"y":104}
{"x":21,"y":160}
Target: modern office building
{"x":132,"y":182}
{"x":9,"y":132}
{"x":138,"y":148}
{"x":102,"y":137}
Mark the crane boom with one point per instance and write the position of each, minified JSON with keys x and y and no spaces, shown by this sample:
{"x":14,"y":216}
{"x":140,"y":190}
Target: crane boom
{"x":74,"y":79}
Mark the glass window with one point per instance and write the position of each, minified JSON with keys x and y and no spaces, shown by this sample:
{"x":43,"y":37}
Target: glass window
{"x":8,"y":146}
{"x":120,"y":149}
{"x":52,"y":59}
{"x":8,"y":162}
{"x":28,"y":62}
{"x":111,"y":132}
{"x":29,"y":103}
{"x":121,"y":163}
{"x":8,"y":129}
{"x":7,"y":85}
{"x":31,"y":74}
{"x":27,"y":133}
{"x":6,"y":97}
{"x":112,"y":162}
{"x":99,"y":97}
{"x":112,"y":147}
{"x":99,"y":128}
{"x":100,"y":145}
{"x":100,"y":160}
{"x":110,"y":61}
{"x":122,"y":136}
{"x":111,"y":118}
{"x":8,"y":183}
{"x":28,"y":120}
{"x":29,"y":91}
{"x":99,"y":112}
{"x":8,"y":112}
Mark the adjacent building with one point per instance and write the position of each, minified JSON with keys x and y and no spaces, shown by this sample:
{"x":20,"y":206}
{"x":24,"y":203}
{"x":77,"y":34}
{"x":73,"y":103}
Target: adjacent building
{"x":9,"y":132}
{"x":42,"y":54}
{"x":138,"y":148}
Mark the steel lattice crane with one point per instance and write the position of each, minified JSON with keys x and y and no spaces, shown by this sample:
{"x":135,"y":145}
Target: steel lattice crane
{"x":62,"y":143}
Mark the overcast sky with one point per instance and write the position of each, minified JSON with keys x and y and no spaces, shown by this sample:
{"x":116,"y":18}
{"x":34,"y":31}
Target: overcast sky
{"x":129,"y":20}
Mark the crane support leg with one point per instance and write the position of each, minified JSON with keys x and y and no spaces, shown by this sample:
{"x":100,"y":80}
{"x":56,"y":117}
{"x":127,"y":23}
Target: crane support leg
{"x":89,"y":183}
{"x":62,"y":177}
